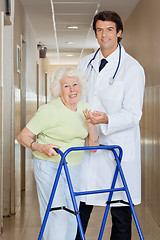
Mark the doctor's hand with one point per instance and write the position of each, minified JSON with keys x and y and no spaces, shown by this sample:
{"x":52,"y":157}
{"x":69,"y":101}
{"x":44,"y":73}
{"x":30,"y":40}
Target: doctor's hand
{"x":95,"y":117}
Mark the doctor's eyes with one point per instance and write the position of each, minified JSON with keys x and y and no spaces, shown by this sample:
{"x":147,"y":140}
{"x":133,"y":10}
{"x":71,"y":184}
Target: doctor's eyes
{"x":99,"y":30}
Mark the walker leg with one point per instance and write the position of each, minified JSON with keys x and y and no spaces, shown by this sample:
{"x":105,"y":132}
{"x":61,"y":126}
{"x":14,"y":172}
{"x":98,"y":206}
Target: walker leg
{"x":74,"y":201}
{"x":50,"y":201}
{"x":108,"y":205}
{"x":129,"y":199}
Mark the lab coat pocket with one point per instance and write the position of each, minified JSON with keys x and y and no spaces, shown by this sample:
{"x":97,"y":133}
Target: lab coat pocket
{"x":114,"y":91}
{"x":111,"y":96}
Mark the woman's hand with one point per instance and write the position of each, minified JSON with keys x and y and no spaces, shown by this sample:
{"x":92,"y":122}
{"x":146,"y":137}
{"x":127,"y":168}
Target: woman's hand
{"x":47,"y":149}
{"x":95,"y":117}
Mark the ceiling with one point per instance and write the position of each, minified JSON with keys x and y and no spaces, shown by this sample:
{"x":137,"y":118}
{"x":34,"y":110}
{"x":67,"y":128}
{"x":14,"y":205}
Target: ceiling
{"x":50,"y":19}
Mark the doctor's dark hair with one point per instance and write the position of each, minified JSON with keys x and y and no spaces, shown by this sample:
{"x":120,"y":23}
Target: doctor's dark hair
{"x":109,"y":16}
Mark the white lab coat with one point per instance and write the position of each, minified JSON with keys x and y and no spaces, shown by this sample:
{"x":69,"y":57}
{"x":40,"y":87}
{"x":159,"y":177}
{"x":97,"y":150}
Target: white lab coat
{"x":122,"y":102}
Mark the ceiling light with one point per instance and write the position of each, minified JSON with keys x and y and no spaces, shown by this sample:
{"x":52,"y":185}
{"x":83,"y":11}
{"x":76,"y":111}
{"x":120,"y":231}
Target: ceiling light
{"x":69,"y":55}
{"x":72,"y":27}
{"x":70,"y":43}
{"x":54,"y":27}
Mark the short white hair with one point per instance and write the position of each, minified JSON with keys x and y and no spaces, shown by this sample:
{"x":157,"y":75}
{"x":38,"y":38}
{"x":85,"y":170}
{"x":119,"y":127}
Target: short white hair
{"x":55,"y":86}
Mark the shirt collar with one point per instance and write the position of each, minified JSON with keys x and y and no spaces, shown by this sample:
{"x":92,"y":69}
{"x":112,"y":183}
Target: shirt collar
{"x":111,"y":58}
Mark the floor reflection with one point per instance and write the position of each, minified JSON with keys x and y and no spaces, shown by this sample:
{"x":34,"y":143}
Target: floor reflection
{"x":26,"y":223}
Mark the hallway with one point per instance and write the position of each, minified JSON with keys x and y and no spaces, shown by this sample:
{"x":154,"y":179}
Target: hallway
{"x":62,"y":31}
{"x":25,"y":225}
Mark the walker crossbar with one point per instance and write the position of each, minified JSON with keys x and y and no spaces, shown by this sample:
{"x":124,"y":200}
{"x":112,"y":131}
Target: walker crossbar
{"x":63,"y":208}
{"x":118,"y":201}
{"x":73,"y":194}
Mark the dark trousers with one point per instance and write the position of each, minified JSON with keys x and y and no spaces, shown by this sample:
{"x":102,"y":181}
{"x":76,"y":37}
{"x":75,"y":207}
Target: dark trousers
{"x":85,"y":211}
{"x":121,"y":221}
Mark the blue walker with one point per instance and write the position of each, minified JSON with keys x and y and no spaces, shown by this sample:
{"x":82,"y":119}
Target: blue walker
{"x":73,"y":194}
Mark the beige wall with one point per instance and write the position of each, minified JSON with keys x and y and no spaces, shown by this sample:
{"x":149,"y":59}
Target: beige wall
{"x":1,"y":110}
{"x":23,"y":29}
{"x":22,"y":88}
{"x":141,"y":40}
{"x":1,"y":166}
{"x":43,"y":63}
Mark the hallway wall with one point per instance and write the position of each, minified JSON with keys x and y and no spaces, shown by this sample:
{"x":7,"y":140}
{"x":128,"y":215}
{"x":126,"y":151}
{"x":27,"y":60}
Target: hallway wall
{"x":21,"y":89}
{"x":23,"y":29}
{"x":3,"y":23}
{"x":141,"y":39}
{"x":33,"y":83}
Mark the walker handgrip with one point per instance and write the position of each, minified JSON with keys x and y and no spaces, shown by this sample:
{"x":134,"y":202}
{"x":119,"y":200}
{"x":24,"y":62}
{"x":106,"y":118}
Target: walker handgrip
{"x":58,"y":151}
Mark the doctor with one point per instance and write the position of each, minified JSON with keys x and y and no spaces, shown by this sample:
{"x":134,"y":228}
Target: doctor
{"x":115,"y":95}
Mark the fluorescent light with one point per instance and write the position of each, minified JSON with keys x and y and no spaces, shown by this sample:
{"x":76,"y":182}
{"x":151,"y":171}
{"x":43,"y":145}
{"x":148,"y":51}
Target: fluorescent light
{"x":69,"y":43}
{"x":54,"y":27}
{"x":69,"y":55}
{"x":72,"y":27}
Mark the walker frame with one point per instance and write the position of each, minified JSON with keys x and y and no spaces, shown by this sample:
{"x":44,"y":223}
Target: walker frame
{"x":73,"y":194}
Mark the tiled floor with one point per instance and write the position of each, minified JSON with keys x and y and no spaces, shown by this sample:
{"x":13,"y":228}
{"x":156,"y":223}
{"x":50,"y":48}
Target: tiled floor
{"x":25,"y":225}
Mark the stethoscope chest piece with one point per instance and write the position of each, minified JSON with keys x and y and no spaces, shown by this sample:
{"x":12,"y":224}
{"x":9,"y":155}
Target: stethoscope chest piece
{"x":111,"y":80}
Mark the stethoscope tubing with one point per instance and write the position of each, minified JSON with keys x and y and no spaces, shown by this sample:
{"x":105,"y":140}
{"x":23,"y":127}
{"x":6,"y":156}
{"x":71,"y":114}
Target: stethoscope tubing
{"x":119,"y":61}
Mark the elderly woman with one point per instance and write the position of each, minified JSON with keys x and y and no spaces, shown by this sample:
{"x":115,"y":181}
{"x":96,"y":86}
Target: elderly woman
{"x":59,"y":124}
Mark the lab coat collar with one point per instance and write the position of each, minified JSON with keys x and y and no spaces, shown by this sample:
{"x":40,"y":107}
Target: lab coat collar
{"x":113,"y":57}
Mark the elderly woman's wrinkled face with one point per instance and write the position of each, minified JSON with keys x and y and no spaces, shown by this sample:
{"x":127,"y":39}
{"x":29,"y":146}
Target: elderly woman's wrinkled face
{"x":70,"y":92}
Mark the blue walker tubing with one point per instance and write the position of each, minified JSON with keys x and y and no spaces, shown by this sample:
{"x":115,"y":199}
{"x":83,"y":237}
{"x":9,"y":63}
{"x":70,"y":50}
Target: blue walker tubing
{"x":74,"y":194}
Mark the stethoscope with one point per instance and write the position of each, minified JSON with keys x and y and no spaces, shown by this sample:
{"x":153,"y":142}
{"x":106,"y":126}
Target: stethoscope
{"x":111,"y":80}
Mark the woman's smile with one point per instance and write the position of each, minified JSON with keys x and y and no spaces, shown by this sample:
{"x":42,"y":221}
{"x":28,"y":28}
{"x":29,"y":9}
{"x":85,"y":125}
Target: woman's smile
{"x":70,"y":92}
